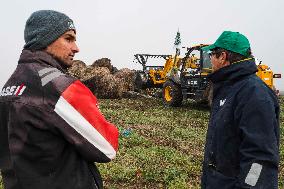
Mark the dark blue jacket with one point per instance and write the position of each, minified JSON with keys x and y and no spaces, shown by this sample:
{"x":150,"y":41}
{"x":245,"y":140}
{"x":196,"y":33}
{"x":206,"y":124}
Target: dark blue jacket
{"x":242,"y":144}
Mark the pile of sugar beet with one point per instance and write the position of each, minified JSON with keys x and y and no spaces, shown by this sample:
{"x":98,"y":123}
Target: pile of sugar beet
{"x":103,"y":79}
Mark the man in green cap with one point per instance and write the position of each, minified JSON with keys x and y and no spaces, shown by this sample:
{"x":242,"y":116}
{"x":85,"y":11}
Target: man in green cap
{"x":242,"y":144}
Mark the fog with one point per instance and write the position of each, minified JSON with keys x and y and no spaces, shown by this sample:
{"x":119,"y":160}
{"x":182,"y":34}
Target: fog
{"x":120,"y":29}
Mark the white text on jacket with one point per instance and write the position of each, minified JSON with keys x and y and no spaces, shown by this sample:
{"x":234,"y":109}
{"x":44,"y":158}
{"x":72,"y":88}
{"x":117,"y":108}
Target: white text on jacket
{"x":13,"y":90}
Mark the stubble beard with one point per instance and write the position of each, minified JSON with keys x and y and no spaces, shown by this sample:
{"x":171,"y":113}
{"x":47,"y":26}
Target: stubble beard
{"x":64,"y":63}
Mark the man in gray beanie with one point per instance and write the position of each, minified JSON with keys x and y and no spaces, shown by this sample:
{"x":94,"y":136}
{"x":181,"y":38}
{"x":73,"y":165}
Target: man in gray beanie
{"x":52,"y":131}
{"x":44,"y":27}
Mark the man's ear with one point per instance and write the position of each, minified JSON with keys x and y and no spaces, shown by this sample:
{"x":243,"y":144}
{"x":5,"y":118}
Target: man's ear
{"x":223,"y":56}
{"x":224,"y":60}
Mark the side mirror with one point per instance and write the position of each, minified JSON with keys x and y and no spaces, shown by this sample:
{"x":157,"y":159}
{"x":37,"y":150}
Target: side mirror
{"x":276,"y":75}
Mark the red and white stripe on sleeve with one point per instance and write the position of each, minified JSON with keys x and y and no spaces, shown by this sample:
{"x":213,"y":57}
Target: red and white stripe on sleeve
{"x":78,"y":107}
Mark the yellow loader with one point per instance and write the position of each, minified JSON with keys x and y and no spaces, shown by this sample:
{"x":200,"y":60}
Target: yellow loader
{"x":185,"y":78}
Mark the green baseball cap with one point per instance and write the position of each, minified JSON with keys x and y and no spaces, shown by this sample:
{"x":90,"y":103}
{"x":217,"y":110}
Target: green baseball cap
{"x":232,"y":41}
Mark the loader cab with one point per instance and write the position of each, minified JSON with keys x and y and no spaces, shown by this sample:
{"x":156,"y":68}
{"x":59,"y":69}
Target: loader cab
{"x":196,"y":60}
{"x":206,"y":60}
{"x":194,"y":75}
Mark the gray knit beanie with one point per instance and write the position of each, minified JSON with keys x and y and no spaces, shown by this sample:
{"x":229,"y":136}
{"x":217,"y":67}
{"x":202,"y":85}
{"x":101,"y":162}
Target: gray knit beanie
{"x":45,"y":26}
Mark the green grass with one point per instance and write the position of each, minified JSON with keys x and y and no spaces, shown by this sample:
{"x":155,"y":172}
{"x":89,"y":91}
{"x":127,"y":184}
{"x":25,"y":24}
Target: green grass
{"x":163,"y":147}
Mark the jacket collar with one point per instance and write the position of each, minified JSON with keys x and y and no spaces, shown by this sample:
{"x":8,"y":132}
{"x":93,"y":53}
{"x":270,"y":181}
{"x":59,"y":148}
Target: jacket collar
{"x":28,"y":56}
{"x":234,"y":71}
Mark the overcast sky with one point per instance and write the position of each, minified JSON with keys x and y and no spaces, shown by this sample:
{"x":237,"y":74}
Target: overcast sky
{"x":118,"y":29}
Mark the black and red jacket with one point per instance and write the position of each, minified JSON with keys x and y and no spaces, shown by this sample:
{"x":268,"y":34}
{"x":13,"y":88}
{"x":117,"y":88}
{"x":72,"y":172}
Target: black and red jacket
{"x":51,"y":130}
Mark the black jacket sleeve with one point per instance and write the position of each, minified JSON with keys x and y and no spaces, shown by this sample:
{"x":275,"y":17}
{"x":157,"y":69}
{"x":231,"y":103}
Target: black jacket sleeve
{"x":258,"y":120}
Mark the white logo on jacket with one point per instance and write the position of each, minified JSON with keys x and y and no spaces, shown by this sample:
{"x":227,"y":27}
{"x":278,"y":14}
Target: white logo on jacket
{"x":222,"y":102}
{"x":13,"y":90}
{"x":71,"y":25}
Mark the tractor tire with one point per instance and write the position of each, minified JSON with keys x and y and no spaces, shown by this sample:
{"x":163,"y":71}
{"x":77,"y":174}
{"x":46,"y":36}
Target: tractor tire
{"x":172,"y":95}
{"x":140,"y":81}
{"x":208,"y":94}
{"x":275,"y":91}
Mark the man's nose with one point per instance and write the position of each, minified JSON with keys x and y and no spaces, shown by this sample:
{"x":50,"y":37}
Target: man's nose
{"x":75,"y":48}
